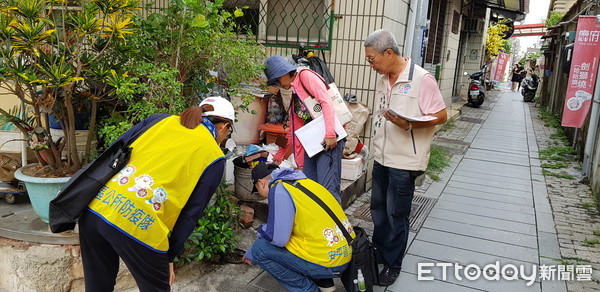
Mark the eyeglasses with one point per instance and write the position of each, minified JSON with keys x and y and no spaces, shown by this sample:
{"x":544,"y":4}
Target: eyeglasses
{"x":371,"y":60}
{"x":230,"y":126}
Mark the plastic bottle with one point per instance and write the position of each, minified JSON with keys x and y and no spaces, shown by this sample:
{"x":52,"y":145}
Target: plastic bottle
{"x":362,"y":286}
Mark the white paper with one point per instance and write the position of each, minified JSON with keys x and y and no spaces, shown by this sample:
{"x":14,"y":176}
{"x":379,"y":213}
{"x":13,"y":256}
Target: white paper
{"x":413,"y":119}
{"x":312,"y":134}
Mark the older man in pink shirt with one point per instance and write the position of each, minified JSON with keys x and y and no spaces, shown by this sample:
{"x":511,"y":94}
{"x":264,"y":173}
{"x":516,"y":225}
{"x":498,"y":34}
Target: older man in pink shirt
{"x":400,"y":144}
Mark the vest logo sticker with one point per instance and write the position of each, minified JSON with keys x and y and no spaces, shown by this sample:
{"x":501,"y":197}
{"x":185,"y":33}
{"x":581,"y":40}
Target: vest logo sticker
{"x":142,"y":185}
{"x":405,"y":88}
{"x":123,"y":175}
{"x":160,"y":196}
{"x":333,"y":235}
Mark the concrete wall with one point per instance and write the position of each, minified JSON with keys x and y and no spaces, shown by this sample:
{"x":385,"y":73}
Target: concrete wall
{"x":27,"y":267}
{"x":449,"y":56}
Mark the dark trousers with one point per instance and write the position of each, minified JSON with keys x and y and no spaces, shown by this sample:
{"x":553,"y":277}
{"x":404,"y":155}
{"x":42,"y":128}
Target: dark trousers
{"x":326,"y":169}
{"x":101,"y":247}
{"x":391,"y":201}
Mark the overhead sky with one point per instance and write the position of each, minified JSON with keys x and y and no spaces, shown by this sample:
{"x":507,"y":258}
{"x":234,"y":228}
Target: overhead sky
{"x":538,"y":11}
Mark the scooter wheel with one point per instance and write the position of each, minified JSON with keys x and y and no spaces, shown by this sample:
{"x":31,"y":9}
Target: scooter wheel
{"x":528,"y":97}
{"x":10,"y":198}
{"x":480,"y":98}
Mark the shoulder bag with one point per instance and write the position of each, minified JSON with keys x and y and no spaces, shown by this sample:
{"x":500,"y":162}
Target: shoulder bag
{"x":339,"y":105}
{"x":74,"y":197}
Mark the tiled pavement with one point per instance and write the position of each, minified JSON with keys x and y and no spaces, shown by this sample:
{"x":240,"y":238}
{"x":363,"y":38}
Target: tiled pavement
{"x":491,"y":204}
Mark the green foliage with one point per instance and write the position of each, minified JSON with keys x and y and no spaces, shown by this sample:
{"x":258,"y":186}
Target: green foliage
{"x":438,"y":159}
{"x":214,"y":234}
{"x":591,"y":242}
{"x":554,"y":18}
{"x":171,"y":56}
{"x":507,"y":46}
{"x":557,"y":165}
{"x":55,"y":60}
{"x":449,"y":125}
{"x":557,"y":175}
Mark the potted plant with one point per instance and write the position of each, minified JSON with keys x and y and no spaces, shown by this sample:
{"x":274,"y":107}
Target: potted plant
{"x":53,"y":58}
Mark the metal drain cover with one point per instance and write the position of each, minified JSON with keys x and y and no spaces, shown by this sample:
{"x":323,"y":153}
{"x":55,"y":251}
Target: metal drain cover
{"x":421,"y":206}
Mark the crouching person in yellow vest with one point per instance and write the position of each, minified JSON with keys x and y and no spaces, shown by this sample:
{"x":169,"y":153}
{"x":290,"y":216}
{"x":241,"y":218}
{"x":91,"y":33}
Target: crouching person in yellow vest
{"x":300,"y":245}
{"x":146,"y":212}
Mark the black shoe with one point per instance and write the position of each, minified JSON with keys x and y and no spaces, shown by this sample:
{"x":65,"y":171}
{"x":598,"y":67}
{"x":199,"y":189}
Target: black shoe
{"x":388,"y":276}
{"x":325,"y":284}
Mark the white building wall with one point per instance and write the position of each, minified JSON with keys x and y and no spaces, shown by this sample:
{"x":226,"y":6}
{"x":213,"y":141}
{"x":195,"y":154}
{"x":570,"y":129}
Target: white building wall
{"x":449,"y":52}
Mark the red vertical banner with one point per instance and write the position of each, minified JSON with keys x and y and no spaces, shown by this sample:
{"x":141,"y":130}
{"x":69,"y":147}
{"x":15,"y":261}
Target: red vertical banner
{"x":500,"y":66}
{"x":582,"y":77}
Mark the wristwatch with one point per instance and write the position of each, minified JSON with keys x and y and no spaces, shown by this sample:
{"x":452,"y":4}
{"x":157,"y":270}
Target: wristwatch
{"x":409,"y":126}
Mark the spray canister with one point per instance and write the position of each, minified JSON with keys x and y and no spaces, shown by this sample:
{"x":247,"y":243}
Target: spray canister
{"x":362,"y":286}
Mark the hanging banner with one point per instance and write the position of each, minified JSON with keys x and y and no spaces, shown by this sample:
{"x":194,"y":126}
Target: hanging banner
{"x":582,"y":76}
{"x":501,"y":62}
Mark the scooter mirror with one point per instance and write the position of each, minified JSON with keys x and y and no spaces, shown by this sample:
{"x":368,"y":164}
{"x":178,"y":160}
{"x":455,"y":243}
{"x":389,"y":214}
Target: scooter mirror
{"x":466,"y":73}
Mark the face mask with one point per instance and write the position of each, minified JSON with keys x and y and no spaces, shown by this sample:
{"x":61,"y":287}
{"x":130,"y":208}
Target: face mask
{"x":286,"y":96}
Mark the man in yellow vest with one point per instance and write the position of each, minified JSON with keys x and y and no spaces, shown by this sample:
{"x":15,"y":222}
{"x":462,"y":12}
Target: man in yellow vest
{"x":148,"y":210}
{"x":300,"y":245}
{"x":408,"y":105}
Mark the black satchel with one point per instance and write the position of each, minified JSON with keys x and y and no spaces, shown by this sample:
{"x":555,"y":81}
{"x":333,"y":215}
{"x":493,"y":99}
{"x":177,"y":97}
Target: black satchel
{"x":74,"y":197}
{"x":364,"y":255}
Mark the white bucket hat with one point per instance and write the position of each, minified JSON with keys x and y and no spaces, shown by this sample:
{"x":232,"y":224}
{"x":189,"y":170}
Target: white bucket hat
{"x":222,"y":107}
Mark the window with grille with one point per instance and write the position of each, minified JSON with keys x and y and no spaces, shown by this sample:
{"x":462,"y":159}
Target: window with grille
{"x":286,"y":23}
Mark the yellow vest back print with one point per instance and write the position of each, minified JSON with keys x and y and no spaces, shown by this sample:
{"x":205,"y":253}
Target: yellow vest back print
{"x":315,"y":236}
{"x":145,"y":198}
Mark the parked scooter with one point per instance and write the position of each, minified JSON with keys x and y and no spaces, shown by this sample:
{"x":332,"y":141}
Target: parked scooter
{"x":529,"y":87}
{"x":476,"y":93}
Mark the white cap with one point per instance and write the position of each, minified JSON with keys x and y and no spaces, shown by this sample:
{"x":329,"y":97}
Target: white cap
{"x":222,"y":107}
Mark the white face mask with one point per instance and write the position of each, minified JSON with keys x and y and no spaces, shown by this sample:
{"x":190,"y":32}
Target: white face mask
{"x":286,"y":96}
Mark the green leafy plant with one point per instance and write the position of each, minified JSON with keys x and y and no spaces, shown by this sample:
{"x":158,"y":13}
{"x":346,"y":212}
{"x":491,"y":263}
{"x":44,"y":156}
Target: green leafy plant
{"x":557,"y":175}
{"x":591,"y":242}
{"x":556,"y":165}
{"x":55,"y":60}
{"x":438,"y":159}
{"x":554,"y":18}
{"x":214,"y":234}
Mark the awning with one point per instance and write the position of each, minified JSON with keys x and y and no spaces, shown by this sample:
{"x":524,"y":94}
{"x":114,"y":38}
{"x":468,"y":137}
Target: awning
{"x":513,"y":9}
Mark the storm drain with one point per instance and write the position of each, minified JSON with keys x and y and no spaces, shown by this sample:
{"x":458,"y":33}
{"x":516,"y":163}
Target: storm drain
{"x":421,"y":207}
{"x":451,"y":145}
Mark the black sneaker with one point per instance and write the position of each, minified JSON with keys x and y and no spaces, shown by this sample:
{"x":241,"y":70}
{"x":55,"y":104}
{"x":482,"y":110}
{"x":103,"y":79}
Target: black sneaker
{"x":388,"y":276}
{"x":325,"y":285}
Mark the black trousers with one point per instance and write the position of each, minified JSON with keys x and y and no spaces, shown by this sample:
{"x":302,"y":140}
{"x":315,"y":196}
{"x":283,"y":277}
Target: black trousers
{"x":101,"y":247}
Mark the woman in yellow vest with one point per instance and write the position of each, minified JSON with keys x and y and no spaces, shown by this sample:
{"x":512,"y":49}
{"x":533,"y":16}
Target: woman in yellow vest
{"x":148,"y":210}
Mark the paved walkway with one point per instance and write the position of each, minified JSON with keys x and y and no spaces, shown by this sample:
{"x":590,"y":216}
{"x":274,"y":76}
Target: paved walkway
{"x":492,"y":207}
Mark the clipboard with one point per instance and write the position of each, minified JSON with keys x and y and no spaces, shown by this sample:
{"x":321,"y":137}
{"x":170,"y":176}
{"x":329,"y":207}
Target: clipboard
{"x":312,"y":134}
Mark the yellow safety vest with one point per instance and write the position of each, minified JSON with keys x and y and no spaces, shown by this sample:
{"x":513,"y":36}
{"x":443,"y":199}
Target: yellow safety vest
{"x":315,"y":237}
{"x":145,"y":198}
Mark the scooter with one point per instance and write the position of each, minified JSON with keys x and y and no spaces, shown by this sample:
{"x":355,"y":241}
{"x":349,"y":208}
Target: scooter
{"x":529,"y":87}
{"x":476,"y":92}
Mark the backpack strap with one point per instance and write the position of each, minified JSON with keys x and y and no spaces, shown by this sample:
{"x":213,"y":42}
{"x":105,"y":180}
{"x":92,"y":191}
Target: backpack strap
{"x":296,"y":184}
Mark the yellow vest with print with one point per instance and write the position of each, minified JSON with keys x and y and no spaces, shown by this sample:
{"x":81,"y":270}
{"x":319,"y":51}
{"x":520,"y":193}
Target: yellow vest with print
{"x":315,"y":237}
{"x":145,"y":198}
